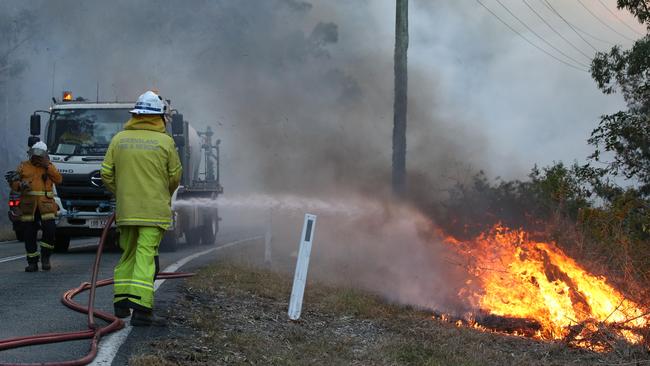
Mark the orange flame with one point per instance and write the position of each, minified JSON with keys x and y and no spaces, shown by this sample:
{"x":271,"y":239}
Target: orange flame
{"x":520,"y":278}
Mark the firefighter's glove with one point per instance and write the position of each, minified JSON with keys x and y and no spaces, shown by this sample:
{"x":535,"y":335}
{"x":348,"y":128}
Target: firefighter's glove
{"x":12,"y":176}
{"x":41,"y":161}
{"x":46,"y":161}
{"x":24,"y":186}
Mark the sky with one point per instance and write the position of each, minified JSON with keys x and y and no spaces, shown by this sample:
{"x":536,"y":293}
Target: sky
{"x":529,"y":108}
{"x":300,"y":92}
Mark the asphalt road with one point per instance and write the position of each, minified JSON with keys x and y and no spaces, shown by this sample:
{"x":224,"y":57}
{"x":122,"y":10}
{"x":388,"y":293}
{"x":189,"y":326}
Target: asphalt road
{"x":30,"y":302}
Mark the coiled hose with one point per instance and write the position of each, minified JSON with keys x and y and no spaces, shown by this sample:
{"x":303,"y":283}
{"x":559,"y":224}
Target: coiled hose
{"x":94,"y":331}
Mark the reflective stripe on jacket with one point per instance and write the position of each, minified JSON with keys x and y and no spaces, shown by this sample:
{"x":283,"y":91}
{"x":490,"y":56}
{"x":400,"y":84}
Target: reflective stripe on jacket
{"x":142,"y":169}
{"x":39,"y":195}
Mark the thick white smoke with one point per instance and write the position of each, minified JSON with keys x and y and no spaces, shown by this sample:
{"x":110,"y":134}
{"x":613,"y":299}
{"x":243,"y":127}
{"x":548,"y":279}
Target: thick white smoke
{"x":303,"y":89}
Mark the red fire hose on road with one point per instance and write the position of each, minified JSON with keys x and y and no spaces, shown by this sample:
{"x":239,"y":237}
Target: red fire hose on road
{"x":93,"y":332}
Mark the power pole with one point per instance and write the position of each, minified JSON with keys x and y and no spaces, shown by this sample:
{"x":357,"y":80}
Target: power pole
{"x":401,"y":99}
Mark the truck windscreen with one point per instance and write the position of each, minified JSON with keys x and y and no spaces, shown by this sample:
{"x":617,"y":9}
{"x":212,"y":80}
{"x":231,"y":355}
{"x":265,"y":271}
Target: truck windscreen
{"x":84,"y":131}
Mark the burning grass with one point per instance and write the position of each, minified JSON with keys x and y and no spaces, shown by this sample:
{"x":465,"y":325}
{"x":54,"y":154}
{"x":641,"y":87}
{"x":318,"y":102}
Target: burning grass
{"x":526,"y":302}
{"x":233,"y":313}
{"x":527,"y":287}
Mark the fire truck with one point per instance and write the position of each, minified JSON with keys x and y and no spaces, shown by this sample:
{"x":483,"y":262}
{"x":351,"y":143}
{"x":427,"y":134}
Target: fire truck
{"x":78,"y":133}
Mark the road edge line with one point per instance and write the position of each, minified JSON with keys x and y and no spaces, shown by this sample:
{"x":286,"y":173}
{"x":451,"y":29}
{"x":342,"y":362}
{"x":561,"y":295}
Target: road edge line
{"x":110,"y":345}
{"x":12,"y":258}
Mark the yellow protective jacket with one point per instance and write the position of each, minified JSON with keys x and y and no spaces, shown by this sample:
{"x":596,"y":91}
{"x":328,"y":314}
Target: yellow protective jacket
{"x":142,"y":169}
{"x":39,"y":195}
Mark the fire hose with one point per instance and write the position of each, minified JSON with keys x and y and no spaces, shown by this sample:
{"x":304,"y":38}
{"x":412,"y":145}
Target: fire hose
{"x":94,"y":331}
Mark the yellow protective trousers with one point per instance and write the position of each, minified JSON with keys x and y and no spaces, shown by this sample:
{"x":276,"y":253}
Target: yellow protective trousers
{"x":135,"y":272}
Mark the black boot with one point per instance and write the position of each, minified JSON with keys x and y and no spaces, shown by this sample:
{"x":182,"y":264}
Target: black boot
{"x":146,"y":319}
{"x":45,"y":262}
{"x":32,"y":267}
{"x":121,"y":311}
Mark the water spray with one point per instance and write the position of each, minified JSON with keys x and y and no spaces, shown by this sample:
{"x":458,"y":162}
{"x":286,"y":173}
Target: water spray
{"x":351,"y":207}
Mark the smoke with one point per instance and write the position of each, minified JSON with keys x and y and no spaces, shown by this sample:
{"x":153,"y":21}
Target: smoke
{"x":391,"y":252}
{"x":300,"y":93}
{"x":381,"y":246}
{"x":304,"y":89}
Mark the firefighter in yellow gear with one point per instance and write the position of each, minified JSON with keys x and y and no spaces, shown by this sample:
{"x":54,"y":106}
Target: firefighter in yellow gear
{"x":34,"y":180}
{"x":142,"y":169}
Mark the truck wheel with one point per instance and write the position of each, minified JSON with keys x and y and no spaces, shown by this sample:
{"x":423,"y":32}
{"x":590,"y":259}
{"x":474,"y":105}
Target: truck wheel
{"x":61,"y":243}
{"x":193,"y":235}
{"x":209,"y":232}
{"x":169,"y":242}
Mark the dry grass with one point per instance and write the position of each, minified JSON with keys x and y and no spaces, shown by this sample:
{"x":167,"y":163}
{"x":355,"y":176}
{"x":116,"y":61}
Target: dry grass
{"x":235,"y":314}
{"x":150,"y":360}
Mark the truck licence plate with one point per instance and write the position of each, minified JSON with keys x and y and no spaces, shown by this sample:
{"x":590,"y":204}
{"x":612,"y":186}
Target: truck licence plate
{"x":97,"y":223}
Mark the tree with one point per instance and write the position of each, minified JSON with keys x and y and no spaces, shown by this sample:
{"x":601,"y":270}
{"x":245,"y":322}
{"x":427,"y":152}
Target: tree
{"x":626,"y":134}
{"x":17,"y":29}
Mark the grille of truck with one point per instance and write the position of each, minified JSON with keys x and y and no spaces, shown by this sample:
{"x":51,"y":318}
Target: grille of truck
{"x":80,"y":192}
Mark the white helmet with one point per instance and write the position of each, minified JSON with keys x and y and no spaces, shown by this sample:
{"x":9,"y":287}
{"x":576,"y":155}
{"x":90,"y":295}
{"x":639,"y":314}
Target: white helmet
{"x":38,"y":149}
{"x":149,"y":103}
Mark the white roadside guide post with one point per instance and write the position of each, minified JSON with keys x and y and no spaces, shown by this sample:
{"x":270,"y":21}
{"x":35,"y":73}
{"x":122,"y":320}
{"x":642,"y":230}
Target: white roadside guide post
{"x":300,"y":276}
{"x":267,"y":239}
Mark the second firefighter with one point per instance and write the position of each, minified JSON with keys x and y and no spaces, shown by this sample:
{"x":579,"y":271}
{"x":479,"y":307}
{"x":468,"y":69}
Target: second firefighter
{"x":34,"y":179}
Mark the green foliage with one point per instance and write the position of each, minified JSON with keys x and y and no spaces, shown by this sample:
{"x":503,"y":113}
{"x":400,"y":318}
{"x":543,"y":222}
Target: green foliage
{"x":530,"y":204}
{"x":626,"y":134}
{"x":625,"y":218}
{"x":625,"y":71}
{"x":617,"y":230}
{"x":639,"y":8}
{"x":558,"y":189}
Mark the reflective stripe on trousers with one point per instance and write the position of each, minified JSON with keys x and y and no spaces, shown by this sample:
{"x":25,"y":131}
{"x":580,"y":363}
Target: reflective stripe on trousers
{"x":45,"y":245}
{"x":135,"y":272}
{"x":30,"y":229}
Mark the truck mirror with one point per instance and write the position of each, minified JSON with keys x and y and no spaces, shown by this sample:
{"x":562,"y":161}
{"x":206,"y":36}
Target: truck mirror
{"x":178,"y":126}
{"x":35,"y":124}
{"x":32,"y":140}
